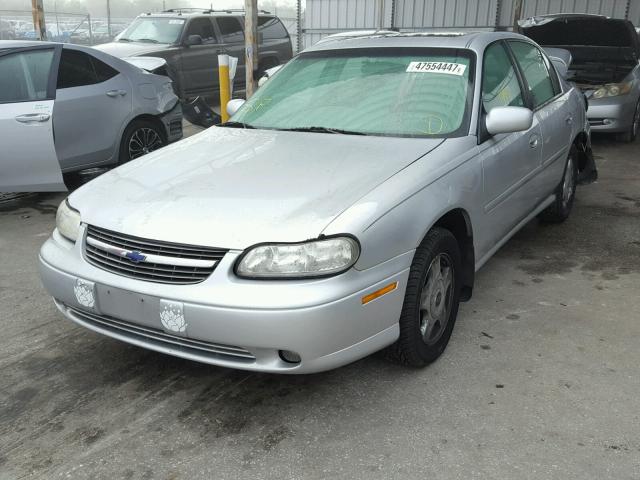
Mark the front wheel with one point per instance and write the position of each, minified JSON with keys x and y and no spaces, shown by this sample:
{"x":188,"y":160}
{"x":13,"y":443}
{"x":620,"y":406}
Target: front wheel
{"x":631,"y":134}
{"x":140,"y":138}
{"x":560,"y":209}
{"x":431,"y":301}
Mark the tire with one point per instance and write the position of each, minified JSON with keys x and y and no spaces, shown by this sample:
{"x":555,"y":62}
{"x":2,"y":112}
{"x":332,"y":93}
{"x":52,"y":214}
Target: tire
{"x":139,"y":138}
{"x":560,"y":209}
{"x":631,"y":134}
{"x":427,"y":319}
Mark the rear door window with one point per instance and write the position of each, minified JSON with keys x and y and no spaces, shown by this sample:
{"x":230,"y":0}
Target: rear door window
{"x":536,"y":73}
{"x":271,"y":28}
{"x":204,"y":28}
{"x":230,"y":29}
{"x":78,"y":69}
{"x":25,"y":75}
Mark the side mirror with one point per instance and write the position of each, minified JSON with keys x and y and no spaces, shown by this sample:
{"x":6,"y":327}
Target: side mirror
{"x":270,"y":72}
{"x":193,"y":40}
{"x":508,"y":120}
{"x":234,"y":105}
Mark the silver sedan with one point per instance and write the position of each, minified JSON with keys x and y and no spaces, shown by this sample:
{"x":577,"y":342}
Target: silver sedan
{"x":65,"y":108}
{"x":344,"y":209}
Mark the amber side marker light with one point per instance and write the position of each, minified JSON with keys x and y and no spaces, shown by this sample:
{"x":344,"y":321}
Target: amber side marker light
{"x":378,"y":293}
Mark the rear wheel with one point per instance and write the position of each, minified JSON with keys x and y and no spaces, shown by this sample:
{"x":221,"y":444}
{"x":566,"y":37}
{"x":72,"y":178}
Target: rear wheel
{"x":630,"y":135}
{"x":140,"y":138}
{"x":560,"y":209}
{"x":431,"y":301}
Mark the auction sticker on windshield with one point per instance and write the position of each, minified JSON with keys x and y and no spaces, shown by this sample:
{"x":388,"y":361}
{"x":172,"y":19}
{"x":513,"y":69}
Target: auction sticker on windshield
{"x":437,"y":67}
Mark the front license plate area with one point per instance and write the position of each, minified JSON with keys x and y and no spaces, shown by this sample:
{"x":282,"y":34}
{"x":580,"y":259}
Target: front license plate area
{"x":129,"y":306}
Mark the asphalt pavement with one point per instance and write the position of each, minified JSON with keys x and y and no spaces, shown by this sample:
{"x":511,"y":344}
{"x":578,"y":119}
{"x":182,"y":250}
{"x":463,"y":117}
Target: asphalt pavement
{"x":540,"y":379}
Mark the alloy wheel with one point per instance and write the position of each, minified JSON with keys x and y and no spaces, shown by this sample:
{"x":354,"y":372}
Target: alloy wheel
{"x":143,"y":141}
{"x":436,"y":298}
{"x":568,"y":184}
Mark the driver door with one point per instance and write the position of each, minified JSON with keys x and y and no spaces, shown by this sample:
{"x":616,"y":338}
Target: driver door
{"x":28,"y":161}
{"x":509,"y":160}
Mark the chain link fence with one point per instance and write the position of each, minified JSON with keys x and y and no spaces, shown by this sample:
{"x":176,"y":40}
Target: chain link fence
{"x":84,"y":29}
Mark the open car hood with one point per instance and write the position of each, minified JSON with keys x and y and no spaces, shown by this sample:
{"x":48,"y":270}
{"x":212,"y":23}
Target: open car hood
{"x":576,"y":30}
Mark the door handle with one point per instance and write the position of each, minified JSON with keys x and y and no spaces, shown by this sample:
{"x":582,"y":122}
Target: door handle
{"x":533,"y":141}
{"x":115,"y":93}
{"x":33,"y":117}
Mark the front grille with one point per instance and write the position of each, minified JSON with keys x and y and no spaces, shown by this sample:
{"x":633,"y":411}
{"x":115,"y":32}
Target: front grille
{"x":163,"y":262}
{"x":158,"y":337}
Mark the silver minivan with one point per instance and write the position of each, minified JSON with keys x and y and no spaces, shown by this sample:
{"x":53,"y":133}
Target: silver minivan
{"x":344,"y":209}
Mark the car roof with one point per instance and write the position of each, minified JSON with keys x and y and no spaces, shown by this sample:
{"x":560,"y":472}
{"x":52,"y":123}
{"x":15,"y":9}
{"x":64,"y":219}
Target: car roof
{"x":198,"y":12}
{"x":8,"y":44}
{"x":19,"y":43}
{"x":475,"y":41}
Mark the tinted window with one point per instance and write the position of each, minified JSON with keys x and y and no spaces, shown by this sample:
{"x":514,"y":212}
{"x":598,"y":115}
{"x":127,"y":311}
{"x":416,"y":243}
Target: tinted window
{"x":202,"y":27}
{"x":271,"y":28}
{"x":534,"y":68}
{"x":78,"y":69}
{"x":25,"y":76}
{"x":230,"y":29}
{"x":409,"y":92}
{"x":500,"y":87}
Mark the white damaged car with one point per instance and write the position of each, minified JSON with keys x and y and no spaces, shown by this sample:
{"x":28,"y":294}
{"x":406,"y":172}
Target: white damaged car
{"x":66,"y":107}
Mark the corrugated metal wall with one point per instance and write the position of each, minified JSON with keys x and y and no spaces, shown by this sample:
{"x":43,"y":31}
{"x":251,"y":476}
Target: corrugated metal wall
{"x":324,"y":17}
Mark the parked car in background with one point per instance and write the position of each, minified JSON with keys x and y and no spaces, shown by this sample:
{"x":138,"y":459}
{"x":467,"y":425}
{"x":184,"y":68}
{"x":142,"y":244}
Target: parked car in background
{"x":605,"y":65}
{"x":344,"y":209}
{"x":103,"y":111}
{"x":191,"y":39}
{"x":7,"y":30}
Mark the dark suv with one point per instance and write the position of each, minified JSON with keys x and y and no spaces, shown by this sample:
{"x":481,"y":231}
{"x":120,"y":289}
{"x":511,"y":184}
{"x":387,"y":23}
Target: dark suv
{"x":190,"y":41}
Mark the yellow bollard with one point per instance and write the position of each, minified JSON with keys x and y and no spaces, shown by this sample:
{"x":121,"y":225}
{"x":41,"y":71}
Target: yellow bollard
{"x":225,"y":90}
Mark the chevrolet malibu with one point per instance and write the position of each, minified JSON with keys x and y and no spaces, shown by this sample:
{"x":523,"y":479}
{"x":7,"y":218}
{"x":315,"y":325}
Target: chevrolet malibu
{"x":343,"y":210}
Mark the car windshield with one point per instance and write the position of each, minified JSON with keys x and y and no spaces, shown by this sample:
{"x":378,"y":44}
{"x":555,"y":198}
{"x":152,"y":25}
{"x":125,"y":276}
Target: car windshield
{"x":152,"y":30}
{"x":414,"y":92}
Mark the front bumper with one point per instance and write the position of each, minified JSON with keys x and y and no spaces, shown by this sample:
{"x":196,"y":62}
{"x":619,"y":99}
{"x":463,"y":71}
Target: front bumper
{"x":232,"y":322}
{"x":172,"y":121}
{"x":611,"y":115}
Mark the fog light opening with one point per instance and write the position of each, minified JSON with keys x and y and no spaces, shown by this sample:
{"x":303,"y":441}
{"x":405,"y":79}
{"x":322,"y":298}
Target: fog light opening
{"x":289,"y":356}
{"x":607,"y":121}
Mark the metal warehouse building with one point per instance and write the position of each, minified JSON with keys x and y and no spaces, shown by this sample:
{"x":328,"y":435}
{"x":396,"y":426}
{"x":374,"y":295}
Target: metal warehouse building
{"x":325,"y":17}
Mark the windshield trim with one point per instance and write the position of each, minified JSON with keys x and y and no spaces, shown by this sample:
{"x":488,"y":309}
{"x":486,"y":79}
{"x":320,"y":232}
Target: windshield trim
{"x":462,"y":131}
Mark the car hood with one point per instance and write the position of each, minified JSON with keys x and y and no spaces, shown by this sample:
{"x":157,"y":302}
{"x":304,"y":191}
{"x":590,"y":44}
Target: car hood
{"x":128,"y":49}
{"x":580,"y":30}
{"x":232,"y":188}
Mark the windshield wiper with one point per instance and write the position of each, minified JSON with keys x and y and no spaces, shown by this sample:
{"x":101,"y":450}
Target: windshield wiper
{"x":236,"y":125}
{"x":322,"y":130}
{"x":124,"y":40}
{"x":148,"y":40}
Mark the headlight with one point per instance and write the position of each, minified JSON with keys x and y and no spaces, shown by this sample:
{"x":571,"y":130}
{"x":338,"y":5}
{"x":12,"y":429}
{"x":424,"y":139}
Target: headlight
{"x":316,"y":258}
{"x":613,"y":90}
{"x":68,"y":221}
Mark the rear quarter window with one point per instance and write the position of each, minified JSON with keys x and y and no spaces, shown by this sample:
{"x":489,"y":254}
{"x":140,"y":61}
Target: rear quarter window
{"x":78,"y":69}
